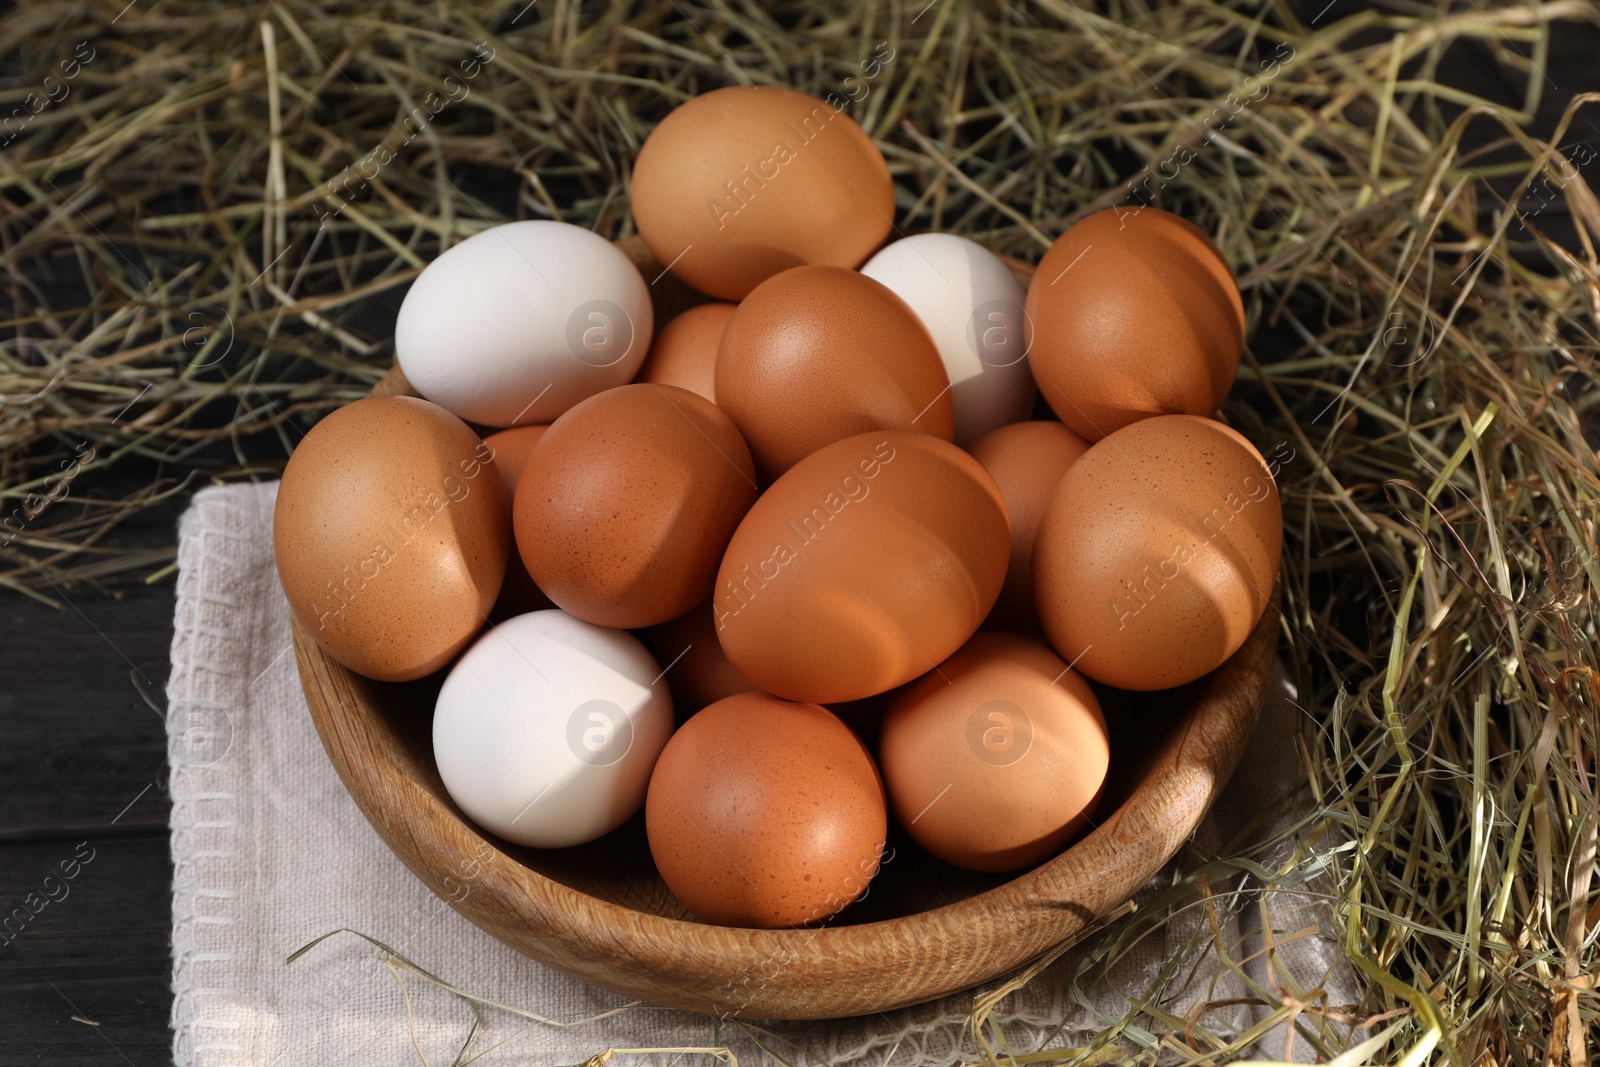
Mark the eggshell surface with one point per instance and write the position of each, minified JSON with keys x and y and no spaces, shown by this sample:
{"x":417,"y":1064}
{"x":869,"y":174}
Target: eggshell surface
{"x":973,"y":308}
{"x":995,"y":761}
{"x":765,"y":813}
{"x":626,"y":505}
{"x":547,"y":729}
{"x":518,"y":323}
{"x":519,"y":594}
{"x":696,"y":669}
{"x":1158,"y":554}
{"x":868,"y":563}
{"x":1026,"y":460}
{"x":684,"y":352}
{"x":817,"y":354}
{"x":511,"y":449}
{"x":1135,"y":313}
{"x":390,"y":533}
{"x":740,"y":183}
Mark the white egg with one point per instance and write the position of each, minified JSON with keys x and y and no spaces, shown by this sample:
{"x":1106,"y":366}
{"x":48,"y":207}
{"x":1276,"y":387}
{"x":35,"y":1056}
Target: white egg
{"x":547,"y":729}
{"x":518,"y":323}
{"x":973,"y":307}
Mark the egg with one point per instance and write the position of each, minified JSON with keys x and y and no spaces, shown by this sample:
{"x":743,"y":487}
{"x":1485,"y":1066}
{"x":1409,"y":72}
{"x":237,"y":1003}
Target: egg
{"x":972,"y":306}
{"x":1134,"y":313}
{"x":511,"y":449}
{"x":626,"y":505}
{"x":518,"y":323}
{"x":740,"y":183}
{"x":863,"y":567}
{"x":1157,"y":556}
{"x":996,"y":760}
{"x":1026,"y":460}
{"x":546,"y":730}
{"x":519,"y":594}
{"x":765,"y":813}
{"x":684,"y":352}
{"x":390,"y":533}
{"x":817,"y":354}
{"x":696,"y":668}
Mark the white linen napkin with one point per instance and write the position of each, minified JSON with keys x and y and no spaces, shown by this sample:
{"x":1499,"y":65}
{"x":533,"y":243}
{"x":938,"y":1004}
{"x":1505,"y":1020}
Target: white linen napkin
{"x":269,"y":852}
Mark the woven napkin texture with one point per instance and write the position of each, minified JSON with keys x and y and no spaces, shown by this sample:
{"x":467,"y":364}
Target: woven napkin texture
{"x":269,"y":852}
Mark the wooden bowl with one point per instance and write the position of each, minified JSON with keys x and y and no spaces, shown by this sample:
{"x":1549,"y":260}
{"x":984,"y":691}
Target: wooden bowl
{"x":601,"y":913}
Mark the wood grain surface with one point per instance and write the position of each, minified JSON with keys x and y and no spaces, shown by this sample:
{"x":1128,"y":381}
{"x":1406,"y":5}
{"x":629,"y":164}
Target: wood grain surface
{"x":83,"y":768}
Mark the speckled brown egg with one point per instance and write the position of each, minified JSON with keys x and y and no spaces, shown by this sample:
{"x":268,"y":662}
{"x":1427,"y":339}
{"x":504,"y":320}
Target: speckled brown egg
{"x":740,"y":183}
{"x":1135,"y":313}
{"x":626,"y":505}
{"x":765,"y":813}
{"x":1026,"y":460}
{"x":391,"y":533}
{"x":696,"y":669}
{"x":995,"y":761}
{"x":519,"y":594}
{"x":817,"y":354}
{"x":864,"y":566}
{"x":684,"y":351}
{"x":1158,"y":554}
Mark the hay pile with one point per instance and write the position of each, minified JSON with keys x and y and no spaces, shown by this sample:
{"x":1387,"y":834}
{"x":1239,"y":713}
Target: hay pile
{"x":208,"y":212}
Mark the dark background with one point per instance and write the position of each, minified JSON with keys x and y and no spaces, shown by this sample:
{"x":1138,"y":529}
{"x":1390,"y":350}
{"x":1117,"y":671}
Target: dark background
{"x":83,"y":757}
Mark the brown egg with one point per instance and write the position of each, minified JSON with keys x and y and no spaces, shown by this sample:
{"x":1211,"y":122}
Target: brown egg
{"x":696,"y":669}
{"x":1158,"y":554}
{"x":1026,"y":460}
{"x":997,"y":759}
{"x":817,"y":354}
{"x":519,"y":594}
{"x":738,"y":184}
{"x":863,"y":567}
{"x":624,"y":509}
{"x":684,"y":351}
{"x":765,"y":813}
{"x":391,"y":533}
{"x":1135,"y":313}
{"x":511,"y":449}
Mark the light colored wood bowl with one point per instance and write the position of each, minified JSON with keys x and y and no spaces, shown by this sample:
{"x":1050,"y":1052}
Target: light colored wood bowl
{"x":601,"y":913}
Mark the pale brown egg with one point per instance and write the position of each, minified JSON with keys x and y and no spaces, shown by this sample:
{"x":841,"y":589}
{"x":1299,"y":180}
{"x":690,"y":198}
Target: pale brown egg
{"x":1158,"y":554}
{"x":391,"y":533}
{"x":996,"y":760}
{"x":626,"y":505}
{"x":1026,"y":460}
{"x":863,"y":567}
{"x":511,"y":449}
{"x":696,"y":669}
{"x":519,"y":594}
{"x":684,"y":351}
{"x":765,"y":813}
{"x":740,"y":183}
{"x":817,"y":354}
{"x":1135,"y":313}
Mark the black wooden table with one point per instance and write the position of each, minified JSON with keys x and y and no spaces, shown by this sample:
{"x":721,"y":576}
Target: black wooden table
{"x":83,"y":769}
{"x":83,"y":822}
